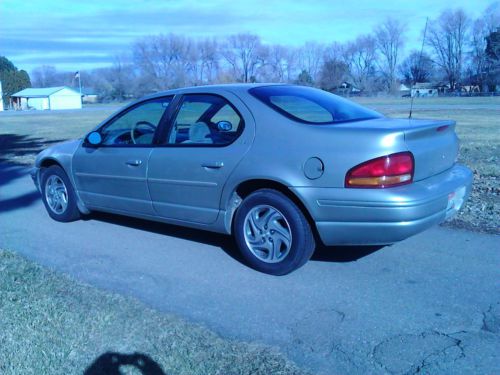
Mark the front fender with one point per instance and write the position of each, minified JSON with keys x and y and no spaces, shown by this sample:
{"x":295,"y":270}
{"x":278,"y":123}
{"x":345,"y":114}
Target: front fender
{"x":61,"y":154}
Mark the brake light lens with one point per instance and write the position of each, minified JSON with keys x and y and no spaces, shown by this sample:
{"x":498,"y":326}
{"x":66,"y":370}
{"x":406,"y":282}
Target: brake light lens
{"x":386,"y":171}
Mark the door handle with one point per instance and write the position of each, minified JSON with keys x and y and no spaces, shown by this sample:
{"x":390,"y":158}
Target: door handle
{"x":213,"y":165}
{"x":134,"y":163}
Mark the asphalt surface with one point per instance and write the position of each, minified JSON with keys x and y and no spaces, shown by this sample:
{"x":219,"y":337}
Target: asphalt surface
{"x":430,"y":304}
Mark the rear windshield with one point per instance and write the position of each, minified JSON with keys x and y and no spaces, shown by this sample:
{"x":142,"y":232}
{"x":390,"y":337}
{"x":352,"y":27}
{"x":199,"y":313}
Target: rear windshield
{"x":311,"y":106}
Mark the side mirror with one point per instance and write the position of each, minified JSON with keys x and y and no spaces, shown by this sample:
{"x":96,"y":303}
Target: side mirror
{"x":224,"y":126}
{"x":94,"y":139}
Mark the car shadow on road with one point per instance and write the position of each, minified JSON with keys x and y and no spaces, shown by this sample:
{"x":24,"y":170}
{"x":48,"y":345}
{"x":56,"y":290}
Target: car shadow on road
{"x":335,"y":254}
{"x":342,"y":254}
{"x":225,"y":242}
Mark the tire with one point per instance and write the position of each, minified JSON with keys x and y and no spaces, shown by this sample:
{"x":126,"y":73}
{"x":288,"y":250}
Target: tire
{"x":272,"y":233}
{"x":58,"y":195}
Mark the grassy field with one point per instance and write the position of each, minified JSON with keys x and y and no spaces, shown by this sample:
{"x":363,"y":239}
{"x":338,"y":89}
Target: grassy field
{"x":442,"y":100}
{"x":50,"y":324}
{"x":22,"y":135}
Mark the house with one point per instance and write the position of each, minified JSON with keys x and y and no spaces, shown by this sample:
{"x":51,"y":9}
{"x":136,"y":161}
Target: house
{"x":404,"y":90}
{"x":424,"y":89}
{"x":89,"y":96}
{"x":47,"y":98}
{"x":345,"y":89}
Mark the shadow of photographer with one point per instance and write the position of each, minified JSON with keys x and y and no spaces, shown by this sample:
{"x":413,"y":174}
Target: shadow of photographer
{"x":111,"y":363}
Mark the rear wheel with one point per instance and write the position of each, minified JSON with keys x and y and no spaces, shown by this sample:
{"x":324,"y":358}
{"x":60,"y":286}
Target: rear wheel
{"x":58,"y":195}
{"x":272,"y":233}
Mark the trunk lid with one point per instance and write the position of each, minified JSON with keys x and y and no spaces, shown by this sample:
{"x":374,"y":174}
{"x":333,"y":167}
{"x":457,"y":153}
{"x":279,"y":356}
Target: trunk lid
{"x":433,"y":143}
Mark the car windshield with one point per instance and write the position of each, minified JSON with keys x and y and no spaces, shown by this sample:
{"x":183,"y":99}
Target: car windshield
{"x":312,"y":106}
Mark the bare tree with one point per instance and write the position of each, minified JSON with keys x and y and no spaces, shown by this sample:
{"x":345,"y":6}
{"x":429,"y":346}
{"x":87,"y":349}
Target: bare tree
{"x":479,"y":57}
{"x":389,"y":38}
{"x":165,"y":61}
{"x":447,"y":37}
{"x":360,"y":56}
{"x":121,"y":78}
{"x":481,"y":29}
{"x":279,"y":63}
{"x":117,"y":82}
{"x":46,"y":76}
{"x":417,"y":68}
{"x":491,"y":16}
{"x":209,"y":60}
{"x":241,"y":53}
{"x":311,"y":59}
{"x":333,"y":74}
{"x":335,"y":69}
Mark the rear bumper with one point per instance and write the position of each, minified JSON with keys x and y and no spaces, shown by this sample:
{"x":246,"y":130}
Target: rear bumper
{"x":383,"y":216}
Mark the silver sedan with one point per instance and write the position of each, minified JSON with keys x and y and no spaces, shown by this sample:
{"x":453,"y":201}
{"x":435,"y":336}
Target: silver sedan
{"x":279,"y":167}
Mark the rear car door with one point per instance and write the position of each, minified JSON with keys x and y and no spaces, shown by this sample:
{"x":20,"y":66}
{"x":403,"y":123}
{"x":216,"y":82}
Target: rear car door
{"x":112,"y":175}
{"x":207,"y":137}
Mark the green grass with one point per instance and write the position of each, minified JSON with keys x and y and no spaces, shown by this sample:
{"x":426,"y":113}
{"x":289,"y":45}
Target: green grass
{"x":51,"y":324}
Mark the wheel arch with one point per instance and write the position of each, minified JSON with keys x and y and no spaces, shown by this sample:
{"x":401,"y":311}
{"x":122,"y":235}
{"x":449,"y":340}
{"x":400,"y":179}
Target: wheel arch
{"x":48,"y":162}
{"x":247,"y":187}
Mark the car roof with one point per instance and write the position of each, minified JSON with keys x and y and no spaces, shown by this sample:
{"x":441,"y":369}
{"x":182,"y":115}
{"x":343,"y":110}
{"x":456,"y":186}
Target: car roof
{"x":231,"y":87}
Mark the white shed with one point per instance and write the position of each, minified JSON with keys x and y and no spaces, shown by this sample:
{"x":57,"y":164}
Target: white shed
{"x":47,"y":98}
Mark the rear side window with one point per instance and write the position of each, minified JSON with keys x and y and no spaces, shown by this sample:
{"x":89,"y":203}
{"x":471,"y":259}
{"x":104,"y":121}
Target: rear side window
{"x":311,"y":106}
{"x":204,"y":119}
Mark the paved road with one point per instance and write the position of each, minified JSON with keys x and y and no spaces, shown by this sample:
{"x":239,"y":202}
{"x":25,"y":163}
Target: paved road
{"x":429,"y":304}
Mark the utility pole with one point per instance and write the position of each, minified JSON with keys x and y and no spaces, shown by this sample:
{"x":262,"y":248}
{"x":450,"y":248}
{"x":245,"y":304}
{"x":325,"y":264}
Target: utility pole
{"x":77,"y":75}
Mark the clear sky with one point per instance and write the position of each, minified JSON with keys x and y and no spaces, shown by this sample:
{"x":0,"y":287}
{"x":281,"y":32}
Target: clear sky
{"x":83,"y":34}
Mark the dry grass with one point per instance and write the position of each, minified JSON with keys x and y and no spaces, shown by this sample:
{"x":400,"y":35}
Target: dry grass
{"x":431,"y":102}
{"x":50,"y":324}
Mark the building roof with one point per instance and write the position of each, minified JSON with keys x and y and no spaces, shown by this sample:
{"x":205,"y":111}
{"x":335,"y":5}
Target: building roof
{"x":40,"y":92}
{"x":423,"y":85}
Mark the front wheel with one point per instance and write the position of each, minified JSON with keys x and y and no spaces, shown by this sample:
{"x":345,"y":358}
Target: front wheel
{"x":272,"y":233}
{"x":58,"y":195}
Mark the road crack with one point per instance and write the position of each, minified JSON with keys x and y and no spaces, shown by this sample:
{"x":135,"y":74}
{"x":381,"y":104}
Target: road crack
{"x":415,"y":353}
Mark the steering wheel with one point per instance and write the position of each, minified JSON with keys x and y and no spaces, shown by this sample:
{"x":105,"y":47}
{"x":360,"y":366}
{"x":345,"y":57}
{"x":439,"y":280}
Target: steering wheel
{"x":137,"y":124}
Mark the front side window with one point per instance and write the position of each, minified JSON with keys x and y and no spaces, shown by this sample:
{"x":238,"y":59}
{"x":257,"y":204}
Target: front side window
{"x":137,"y":125}
{"x":204,"y":119}
{"x":312,"y":106}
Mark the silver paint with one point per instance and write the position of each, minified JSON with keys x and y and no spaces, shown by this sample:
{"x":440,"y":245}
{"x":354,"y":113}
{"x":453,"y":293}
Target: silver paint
{"x":197,"y":186}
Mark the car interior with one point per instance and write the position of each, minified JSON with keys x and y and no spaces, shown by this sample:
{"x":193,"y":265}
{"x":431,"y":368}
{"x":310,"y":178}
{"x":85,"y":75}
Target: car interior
{"x":203,"y":119}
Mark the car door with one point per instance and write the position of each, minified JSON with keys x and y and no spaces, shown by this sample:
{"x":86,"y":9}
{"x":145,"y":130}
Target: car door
{"x":112,"y":175}
{"x":207,"y":137}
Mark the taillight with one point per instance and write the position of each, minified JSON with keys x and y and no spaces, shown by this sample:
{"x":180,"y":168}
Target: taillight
{"x":386,"y":171}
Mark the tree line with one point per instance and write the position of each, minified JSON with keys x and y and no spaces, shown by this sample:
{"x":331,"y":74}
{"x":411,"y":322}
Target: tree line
{"x":455,"y":54}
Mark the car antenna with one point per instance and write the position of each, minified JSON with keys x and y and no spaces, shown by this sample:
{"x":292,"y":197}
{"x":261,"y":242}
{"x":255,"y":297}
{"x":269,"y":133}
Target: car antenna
{"x":418,"y":66}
